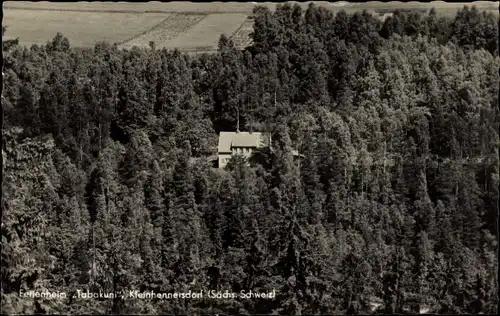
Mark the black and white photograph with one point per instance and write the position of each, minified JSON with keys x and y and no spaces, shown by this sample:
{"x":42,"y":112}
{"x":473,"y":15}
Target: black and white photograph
{"x":250,"y":158}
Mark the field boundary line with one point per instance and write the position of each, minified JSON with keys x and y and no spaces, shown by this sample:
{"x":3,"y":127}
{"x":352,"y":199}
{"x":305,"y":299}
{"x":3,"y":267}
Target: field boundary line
{"x":173,"y":38}
{"x":148,"y":30}
{"x":248,"y":39}
{"x":166,"y":24}
{"x":239,"y":28}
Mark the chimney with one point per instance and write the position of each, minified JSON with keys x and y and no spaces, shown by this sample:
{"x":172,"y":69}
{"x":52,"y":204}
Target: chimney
{"x":238,"y":121}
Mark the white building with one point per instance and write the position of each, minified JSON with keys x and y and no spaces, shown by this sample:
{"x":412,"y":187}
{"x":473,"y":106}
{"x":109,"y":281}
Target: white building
{"x":238,"y":143}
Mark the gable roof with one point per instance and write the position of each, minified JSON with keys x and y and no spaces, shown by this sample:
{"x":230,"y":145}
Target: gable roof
{"x":238,"y":139}
{"x":245,"y":140}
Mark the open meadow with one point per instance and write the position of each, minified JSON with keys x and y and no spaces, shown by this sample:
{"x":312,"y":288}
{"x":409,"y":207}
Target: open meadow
{"x":184,"y":25}
{"x":174,"y":25}
{"x":241,"y":38}
{"x":235,"y":7}
{"x":83,"y":29}
{"x":205,"y":34}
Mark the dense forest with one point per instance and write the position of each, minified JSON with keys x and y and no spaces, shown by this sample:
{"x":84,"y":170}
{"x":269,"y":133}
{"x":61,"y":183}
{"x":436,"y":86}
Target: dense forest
{"x":108,"y":185}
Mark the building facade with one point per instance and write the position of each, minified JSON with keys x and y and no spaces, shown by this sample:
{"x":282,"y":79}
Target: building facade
{"x":238,"y":143}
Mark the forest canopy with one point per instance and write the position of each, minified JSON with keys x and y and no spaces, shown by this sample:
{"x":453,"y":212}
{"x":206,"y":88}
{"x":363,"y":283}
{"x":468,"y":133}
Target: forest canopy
{"x":108,"y":186}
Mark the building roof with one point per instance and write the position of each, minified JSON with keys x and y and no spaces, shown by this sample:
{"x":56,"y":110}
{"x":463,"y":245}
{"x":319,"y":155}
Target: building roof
{"x":245,"y":140}
{"x":227,"y":140}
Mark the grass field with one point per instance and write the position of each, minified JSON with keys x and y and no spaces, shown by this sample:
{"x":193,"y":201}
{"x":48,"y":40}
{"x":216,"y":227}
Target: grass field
{"x":206,"y":33}
{"x":236,"y":7}
{"x":171,"y":7}
{"x":241,"y":38}
{"x":83,"y":29}
{"x":173,"y":26}
{"x":185,"y":25}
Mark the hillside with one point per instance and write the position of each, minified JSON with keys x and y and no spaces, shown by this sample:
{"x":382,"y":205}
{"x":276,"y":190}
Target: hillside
{"x":170,"y":25}
{"x":376,"y":192}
